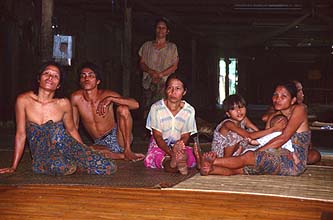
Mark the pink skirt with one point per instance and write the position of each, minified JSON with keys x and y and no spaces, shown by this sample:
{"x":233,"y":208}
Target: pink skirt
{"x":155,"y":156}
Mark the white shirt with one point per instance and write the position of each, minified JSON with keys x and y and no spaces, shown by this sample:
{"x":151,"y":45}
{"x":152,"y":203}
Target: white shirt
{"x":172,"y":127}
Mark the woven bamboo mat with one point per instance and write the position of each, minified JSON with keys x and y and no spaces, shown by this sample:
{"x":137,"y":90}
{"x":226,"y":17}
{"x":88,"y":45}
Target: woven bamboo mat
{"x":129,"y":175}
{"x":315,"y":184}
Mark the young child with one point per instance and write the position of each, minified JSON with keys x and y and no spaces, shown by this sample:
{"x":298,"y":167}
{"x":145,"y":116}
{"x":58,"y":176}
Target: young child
{"x":231,"y":131}
{"x":171,"y":121}
{"x":256,"y":144}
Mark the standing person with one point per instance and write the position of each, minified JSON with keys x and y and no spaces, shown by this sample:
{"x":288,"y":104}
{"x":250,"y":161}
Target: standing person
{"x":95,"y":108}
{"x":171,"y":121}
{"x":47,"y":123}
{"x":271,"y":158}
{"x":314,"y":155}
{"x":158,"y":59}
{"x":231,"y":132}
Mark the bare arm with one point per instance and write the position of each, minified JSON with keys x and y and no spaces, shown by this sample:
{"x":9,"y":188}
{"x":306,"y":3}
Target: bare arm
{"x":253,"y":135}
{"x":20,"y":135}
{"x":161,"y":143}
{"x":76,"y":116}
{"x":169,"y":70}
{"x":249,"y":124}
{"x":69,"y":122}
{"x":145,"y":68}
{"x":185,"y":137}
{"x":296,"y":120}
{"x":113,"y":97}
{"x":268,"y":113}
{"x":154,"y":74}
{"x":130,"y":102}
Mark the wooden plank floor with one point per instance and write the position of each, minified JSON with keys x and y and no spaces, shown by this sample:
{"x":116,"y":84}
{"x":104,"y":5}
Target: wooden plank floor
{"x":77,"y":202}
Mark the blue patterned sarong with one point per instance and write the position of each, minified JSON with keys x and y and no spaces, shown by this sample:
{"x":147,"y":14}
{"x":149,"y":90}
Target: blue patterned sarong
{"x":110,"y":141}
{"x":54,"y":152}
{"x":280,"y":161}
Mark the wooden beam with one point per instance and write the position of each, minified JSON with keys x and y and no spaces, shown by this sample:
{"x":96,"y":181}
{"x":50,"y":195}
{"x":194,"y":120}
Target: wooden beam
{"x":168,"y":14}
{"x":127,"y":61}
{"x":46,"y":30}
{"x":264,"y":37}
{"x":194,"y":67}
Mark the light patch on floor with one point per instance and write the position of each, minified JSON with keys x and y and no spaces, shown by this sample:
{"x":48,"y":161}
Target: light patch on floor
{"x":316,"y":183}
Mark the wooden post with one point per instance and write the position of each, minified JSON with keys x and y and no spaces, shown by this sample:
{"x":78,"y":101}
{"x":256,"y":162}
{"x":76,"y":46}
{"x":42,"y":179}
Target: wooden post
{"x":127,"y":61}
{"x":46,"y":30}
{"x":227,"y":62}
{"x":194,"y":71}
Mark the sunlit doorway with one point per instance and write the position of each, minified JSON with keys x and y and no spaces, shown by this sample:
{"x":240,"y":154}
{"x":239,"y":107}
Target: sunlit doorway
{"x":228,"y":78}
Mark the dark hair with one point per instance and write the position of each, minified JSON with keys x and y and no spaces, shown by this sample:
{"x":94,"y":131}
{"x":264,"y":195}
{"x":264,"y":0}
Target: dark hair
{"x":178,"y":76}
{"x":295,"y":81}
{"x":276,"y":118}
{"x":91,"y":66}
{"x":162,"y":20}
{"x":291,"y":87}
{"x":231,"y":101}
{"x":59,"y":93}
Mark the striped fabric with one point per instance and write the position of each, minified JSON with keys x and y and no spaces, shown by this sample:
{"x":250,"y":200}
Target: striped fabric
{"x":171,"y":127}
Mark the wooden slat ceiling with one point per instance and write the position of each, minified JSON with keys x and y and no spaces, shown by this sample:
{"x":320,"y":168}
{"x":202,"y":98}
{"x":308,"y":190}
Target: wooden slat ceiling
{"x":294,"y":22}
{"x":233,"y":23}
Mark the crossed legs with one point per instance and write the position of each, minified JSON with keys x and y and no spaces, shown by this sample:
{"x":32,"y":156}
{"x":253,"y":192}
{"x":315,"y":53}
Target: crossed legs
{"x":178,"y":161}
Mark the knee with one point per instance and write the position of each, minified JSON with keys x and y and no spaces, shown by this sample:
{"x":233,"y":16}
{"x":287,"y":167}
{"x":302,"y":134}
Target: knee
{"x":123,"y":111}
{"x":317,"y":156}
{"x":313,"y":157}
{"x":248,"y":157}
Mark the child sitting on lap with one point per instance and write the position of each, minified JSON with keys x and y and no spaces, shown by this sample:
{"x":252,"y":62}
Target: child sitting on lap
{"x":256,"y":144}
{"x":232,"y":131}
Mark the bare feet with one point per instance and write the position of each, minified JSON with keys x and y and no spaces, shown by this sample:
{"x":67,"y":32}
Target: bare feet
{"x":181,"y":158}
{"x":118,"y":156}
{"x":107,"y":153}
{"x":134,"y":157}
{"x":179,"y":145}
{"x":207,"y":163}
{"x":114,"y":156}
{"x":173,"y":162}
{"x":7,"y":170}
{"x":197,"y":154}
